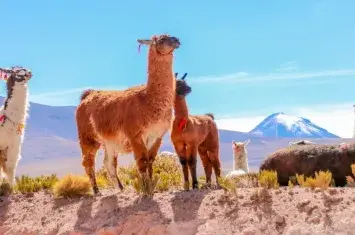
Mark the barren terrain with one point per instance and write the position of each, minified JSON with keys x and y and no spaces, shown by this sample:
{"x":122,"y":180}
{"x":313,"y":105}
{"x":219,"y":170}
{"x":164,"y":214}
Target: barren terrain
{"x":275,"y":211}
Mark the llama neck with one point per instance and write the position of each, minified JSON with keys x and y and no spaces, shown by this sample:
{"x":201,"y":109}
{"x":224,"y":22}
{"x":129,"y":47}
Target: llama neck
{"x":180,"y":107}
{"x":161,"y":81}
{"x":17,"y":104}
{"x":240,"y":161}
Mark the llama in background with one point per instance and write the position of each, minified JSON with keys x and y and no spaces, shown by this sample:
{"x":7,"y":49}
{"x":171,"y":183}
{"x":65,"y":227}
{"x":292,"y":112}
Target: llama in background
{"x":240,"y":159}
{"x":301,"y":142}
{"x":132,"y":120}
{"x":194,"y":134}
{"x":13,"y":115}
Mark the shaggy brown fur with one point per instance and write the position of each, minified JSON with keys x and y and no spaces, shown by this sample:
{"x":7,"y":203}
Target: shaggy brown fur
{"x":307,"y":159}
{"x":194,"y":134}
{"x":132,"y":120}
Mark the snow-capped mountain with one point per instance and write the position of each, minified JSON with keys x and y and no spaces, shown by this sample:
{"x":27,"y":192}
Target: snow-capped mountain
{"x":282,"y":125}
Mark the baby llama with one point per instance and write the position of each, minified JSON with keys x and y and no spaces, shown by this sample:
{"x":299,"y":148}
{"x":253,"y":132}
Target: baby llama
{"x":240,"y":159}
{"x":192,"y":135}
{"x":13,"y":116}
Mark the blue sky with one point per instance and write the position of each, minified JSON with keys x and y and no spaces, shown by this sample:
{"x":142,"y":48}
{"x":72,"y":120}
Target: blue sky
{"x":245,"y":59}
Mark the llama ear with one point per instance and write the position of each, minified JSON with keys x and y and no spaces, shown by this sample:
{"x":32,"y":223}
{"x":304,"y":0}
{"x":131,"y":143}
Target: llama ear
{"x":233,"y":144}
{"x":184,"y":76}
{"x":145,"y":41}
{"x":4,"y":75}
{"x":176,"y":75}
{"x":246,"y":142}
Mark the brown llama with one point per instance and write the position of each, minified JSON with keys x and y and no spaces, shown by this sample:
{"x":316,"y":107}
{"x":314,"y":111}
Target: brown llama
{"x":131,"y":120}
{"x":193,"y":134}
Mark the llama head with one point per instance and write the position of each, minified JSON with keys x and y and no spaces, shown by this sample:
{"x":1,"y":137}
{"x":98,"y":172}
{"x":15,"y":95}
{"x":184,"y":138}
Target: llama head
{"x":161,"y":45}
{"x":15,"y":76}
{"x":239,"y":147}
{"x":182,"y":88}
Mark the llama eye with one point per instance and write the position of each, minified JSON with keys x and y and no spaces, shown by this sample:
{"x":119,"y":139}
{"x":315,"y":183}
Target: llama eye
{"x":22,"y":73}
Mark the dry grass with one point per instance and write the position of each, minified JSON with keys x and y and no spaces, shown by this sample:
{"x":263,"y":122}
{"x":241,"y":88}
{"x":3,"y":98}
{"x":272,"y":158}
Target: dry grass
{"x":228,"y":185}
{"x":166,"y":176}
{"x":72,"y":186}
{"x":268,"y":179}
{"x":350,"y":180}
{"x":322,"y":180}
{"x":5,"y":188}
{"x":27,"y":184}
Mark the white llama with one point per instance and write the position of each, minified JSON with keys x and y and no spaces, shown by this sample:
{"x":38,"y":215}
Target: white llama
{"x":240,"y":159}
{"x":13,"y":115}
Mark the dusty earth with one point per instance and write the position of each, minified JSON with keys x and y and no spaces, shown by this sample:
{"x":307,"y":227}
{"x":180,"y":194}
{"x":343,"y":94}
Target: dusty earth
{"x":253,"y":211}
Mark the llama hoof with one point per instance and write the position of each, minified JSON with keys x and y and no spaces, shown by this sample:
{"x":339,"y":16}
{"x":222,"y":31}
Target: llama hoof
{"x":96,"y":191}
{"x":186,"y":186}
{"x":195,"y":186}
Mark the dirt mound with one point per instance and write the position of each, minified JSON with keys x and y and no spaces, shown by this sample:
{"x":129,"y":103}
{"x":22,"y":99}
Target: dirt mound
{"x":253,"y":211}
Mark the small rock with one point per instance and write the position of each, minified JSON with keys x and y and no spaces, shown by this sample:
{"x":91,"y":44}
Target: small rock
{"x":249,"y":231}
{"x":291,"y":193}
{"x":60,"y":209}
{"x":240,"y":196}
{"x":303,"y":203}
{"x":332,"y":191}
{"x":278,"y":191}
{"x":212,"y":215}
{"x":263,"y":227}
{"x":30,"y":194}
{"x":279,"y":219}
{"x":317,"y":190}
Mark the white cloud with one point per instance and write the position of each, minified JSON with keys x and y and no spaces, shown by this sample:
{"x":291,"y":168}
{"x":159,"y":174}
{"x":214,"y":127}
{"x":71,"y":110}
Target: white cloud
{"x":289,"y":66}
{"x":337,"y":119}
{"x":244,"y":77}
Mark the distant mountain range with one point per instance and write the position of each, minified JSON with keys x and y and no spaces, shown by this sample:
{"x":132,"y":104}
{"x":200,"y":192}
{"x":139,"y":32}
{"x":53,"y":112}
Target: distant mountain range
{"x":51,"y":145}
{"x":282,"y":125}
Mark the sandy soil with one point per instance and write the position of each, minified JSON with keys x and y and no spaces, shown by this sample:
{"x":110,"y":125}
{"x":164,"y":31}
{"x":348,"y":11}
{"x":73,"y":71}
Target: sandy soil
{"x":252,"y":211}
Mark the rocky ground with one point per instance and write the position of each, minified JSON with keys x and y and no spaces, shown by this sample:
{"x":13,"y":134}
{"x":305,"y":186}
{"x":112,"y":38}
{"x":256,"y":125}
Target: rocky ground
{"x":252,"y":211}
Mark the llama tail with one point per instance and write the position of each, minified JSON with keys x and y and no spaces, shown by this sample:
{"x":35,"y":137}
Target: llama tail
{"x":210,"y":115}
{"x":85,"y":94}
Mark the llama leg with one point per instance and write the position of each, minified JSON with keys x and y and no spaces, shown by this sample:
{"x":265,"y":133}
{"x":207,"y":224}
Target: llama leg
{"x":88,"y":162}
{"x":140,"y":155}
{"x":10,"y":165}
{"x":89,"y":149}
{"x":192,"y":163}
{"x":181,"y":152}
{"x":111,"y":164}
{"x":114,"y":165}
{"x":207,"y":165}
{"x":152,"y":153}
{"x":214,"y":158}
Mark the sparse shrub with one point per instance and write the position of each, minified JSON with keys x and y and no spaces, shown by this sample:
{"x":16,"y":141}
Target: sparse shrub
{"x":102,"y":179}
{"x":72,"y":185}
{"x":321,"y":180}
{"x":166,"y":175}
{"x":145,"y":187}
{"x":350,"y":182}
{"x":249,"y":180}
{"x":27,"y":184}
{"x":5,"y":188}
{"x":268,"y":179}
{"x":228,"y":185}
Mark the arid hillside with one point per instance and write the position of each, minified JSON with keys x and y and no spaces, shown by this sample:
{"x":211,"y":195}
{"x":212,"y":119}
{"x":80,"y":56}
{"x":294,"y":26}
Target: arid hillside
{"x":294,"y":211}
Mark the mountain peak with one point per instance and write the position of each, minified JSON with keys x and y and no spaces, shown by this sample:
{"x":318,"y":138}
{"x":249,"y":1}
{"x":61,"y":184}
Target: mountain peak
{"x":283,"y":125}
